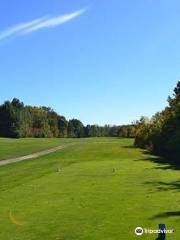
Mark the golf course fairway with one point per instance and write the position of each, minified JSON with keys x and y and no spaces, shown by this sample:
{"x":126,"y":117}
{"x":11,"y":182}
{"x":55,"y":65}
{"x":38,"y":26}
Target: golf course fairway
{"x":96,"y":189}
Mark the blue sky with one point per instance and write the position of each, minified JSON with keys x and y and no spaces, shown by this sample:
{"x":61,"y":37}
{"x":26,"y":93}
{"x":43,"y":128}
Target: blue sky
{"x":110,"y":62}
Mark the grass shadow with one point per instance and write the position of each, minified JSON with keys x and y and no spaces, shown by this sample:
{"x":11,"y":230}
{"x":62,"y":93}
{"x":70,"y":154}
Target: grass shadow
{"x":165,"y":186}
{"x":166,"y":215}
{"x":129,"y":146}
{"x":163,"y":163}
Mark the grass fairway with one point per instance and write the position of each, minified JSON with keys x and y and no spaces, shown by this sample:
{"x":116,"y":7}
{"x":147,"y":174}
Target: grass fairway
{"x":10,"y":148}
{"x":105,"y":189}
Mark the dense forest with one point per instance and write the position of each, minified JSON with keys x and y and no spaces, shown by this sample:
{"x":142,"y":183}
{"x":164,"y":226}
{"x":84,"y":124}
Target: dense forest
{"x":161,"y":133}
{"x":18,"y":120}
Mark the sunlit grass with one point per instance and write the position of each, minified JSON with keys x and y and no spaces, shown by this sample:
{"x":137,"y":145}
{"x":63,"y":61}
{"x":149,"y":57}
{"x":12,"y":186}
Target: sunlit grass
{"x":98,"y":189}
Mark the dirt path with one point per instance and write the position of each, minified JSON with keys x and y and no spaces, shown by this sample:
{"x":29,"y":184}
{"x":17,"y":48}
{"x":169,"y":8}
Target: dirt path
{"x":34,"y":155}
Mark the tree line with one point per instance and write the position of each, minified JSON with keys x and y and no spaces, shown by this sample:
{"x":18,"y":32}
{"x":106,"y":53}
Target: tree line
{"x":18,"y":121}
{"x":161,"y":133}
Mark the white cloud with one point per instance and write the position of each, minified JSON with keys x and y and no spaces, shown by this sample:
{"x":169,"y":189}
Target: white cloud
{"x":54,"y":22}
{"x":40,"y":23}
{"x":19,"y":28}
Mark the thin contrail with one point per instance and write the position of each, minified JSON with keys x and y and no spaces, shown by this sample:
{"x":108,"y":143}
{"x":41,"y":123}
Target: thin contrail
{"x":54,"y":22}
{"x":19,"y":28}
{"x":40,"y":23}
